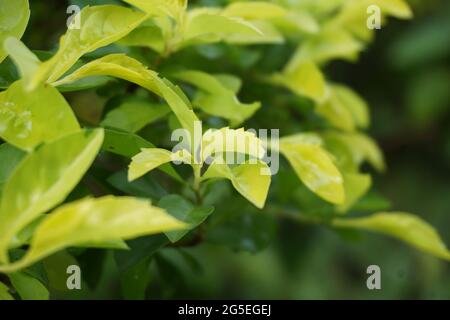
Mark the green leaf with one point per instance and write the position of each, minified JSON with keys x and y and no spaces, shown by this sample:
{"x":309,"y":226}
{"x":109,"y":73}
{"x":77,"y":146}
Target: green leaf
{"x":140,"y":249}
{"x":134,"y":280}
{"x":354,"y":103}
{"x":254,"y":10}
{"x":115,"y":65}
{"x":331,"y":43}
{"x":11,"y":157}
{"x":336,"y":112}
{"x":30,"y":118}
{"x":147,"y":35}
{"x":314,"y":167}
{"x":151,"y":158}
{"x":250,"y":179}
{"x":121,"y":66}
{"x":28,"y":287}
{"x":4,"y":293}
{"x":146,"y":187}
{"x":209,"y":25}
{"x":99,"y":27}
{"x":95,"y":220}
{"x":216,"y":98}
{"x":134,"y":114}
{"x":296,"y":22}
{"x":404,"y":226}
{"x":352,"y":149}
{"x":56,"y":269}
{"x":14,"y":16}
{"x":184,"y":211}
{"x":171,"y":8}
{"x":44,"y":179}
{"x":26,"y":61}
{"x":268,"y":35}
{"x":226,"y":140}
{"x":128,"y":145}
{"x":305,"y":79}
{"x":353,"y":16}
{"x":355,"y":185}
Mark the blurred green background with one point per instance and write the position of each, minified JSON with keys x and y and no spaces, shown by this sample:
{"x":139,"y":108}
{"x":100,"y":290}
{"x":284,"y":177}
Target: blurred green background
{"x":405,"y":77}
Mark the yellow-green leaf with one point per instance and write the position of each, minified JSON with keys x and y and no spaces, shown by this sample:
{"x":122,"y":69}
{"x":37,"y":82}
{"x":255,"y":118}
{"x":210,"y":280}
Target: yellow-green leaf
{"x":146,"y":35}
{"x":296,"y":22}
{"x":355,"y":185}
{"x":314,"y":166}
{"x":250,"y":179}
{"x":14,"y":16}
{"x":354,"y":103}
{"x":331,"y":43}
{"x":30,"y":118}
{"x":4,"y":292}
{"x":228,"y":140}
{"x":344,"y":109}
{"x":44,"y":179}
{"x":404,"y":226}
{"x":305,"y":79}
{"x":171,"y":8}
{"x":95,"y":220}
{"x":209,"y":25}
{"x":254,"y":10}
{"x":151,"y":158}
{"x":26,"y":61}
{"x":354,"y":149}
{"x":269,"y":34}
{"x":121,"y":66}
{"x":99,"y":27}
{"x":216,"y":98}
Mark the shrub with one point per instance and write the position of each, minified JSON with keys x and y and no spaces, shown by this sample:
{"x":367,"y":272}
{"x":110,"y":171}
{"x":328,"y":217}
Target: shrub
{"x":160,"y":66}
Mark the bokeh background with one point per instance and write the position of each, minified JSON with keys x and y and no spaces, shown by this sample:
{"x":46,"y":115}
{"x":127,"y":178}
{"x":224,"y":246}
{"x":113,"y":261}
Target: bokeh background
{"x":405,"y":77}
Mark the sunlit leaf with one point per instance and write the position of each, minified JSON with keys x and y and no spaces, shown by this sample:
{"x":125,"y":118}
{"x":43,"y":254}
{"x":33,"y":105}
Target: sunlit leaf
{"x":147,"y":35}
{"x":151,"y":158}
{"x":250,"y":179}
{"x":208,"y":26}
{"x":121,"y":66}
{"x":172,"y":8}
{"x":297,"y":21}
{"x":314,"y":167}
{"x":331,"y":43}
{"x":11,"y":157}
{"x":352,"y":149}
{"x":354,"y":103}
{"x":355,"y":185}
{"x":228,"y":140}
{"x":404,"y":226}
{"x":128,"y":145}
{"x":216,"y":98}
{"x":26,"y":61}
{"x":30,"y":118}
{"x":95,"y":220}
{"x":4,"y":292}
{"x":12,"y":25}
{"x":305,"y":79}
{"x":44,"y":179}
{"x":254,"y":10}
{"x":99,"y":26}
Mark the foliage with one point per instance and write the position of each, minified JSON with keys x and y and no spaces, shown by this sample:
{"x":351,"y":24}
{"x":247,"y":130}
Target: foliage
{"x":71,"y":182}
